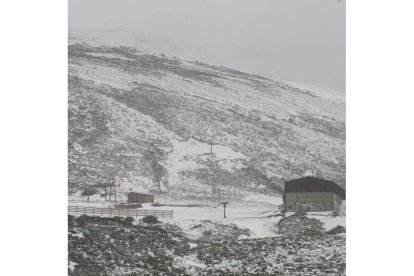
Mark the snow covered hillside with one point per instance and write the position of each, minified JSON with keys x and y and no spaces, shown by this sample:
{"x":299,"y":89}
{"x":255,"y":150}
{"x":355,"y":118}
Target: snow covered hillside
{"x":130,"y":109}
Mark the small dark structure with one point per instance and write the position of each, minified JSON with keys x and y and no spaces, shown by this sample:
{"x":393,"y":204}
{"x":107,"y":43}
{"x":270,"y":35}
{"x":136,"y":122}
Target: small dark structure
{"x":312,"y":194}
{"x":140,"y":198}
{"x":108,"y":188}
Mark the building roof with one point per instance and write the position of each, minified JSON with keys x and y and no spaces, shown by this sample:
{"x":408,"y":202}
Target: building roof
{"x":313,"y":184}
{"x":135,"y":193}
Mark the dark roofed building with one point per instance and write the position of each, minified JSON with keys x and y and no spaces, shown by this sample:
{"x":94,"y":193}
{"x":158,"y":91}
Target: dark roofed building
{"x":312,"y":194}
{"x":140,"y":198}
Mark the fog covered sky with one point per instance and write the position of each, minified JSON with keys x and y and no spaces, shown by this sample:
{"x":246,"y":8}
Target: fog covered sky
{"x":295,"y":40}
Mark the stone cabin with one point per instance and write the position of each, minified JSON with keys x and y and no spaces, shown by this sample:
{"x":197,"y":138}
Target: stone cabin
{"x":312,"y":194}
{"x":134,"y":197}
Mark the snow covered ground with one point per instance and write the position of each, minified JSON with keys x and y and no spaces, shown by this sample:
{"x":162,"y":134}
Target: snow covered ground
{"x":184,"y":152}
{"x":257,"y":213}
{"x":329,"y":221}
{"x":250,"y":217}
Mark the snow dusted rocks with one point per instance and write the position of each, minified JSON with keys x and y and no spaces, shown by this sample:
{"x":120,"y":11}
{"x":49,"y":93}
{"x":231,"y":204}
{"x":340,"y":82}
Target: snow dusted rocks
{"x":116,"y":246}
{"x":112,"y":246}
{"x":298,"y":255}
{"x":209,"y":232}
{"x":299,"y":223}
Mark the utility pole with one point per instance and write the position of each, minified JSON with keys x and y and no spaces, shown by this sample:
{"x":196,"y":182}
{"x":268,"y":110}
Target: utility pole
{"x":213,"y":168}
{"x":214,"y":175}
{"x":219,"y":195}
{"x":224,"y":205}
{"x":113,"y":181}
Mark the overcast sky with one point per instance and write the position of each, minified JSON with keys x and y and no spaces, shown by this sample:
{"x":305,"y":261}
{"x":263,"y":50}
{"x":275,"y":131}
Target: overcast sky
{"x":295,"y":40}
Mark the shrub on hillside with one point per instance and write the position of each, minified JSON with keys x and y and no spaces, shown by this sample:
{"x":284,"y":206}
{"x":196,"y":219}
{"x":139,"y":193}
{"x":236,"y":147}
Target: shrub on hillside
{"x":82,"y":220}
{"x":128,"y":221}
{"x":299,"y":223}
{"x":150,"y":220}
{"x":90,"y":190}
{"x":337,"y":230}
{"x":71,"y":220}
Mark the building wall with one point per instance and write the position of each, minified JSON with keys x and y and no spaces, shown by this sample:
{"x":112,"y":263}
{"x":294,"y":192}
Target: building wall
{"x":148,"y":199}
{"x":337,"y":203}
{"x":133,"y":198}
{"x":310,"y":201}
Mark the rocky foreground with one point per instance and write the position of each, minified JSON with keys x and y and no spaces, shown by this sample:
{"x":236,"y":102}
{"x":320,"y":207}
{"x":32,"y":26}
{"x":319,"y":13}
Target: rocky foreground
{"x":120,"y":246}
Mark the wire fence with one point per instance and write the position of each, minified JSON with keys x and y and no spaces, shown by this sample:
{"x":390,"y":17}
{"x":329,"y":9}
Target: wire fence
{"x":120,"y":212}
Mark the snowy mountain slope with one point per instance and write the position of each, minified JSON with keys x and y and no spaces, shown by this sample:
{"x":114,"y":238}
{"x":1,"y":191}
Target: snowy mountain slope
{"x":123,"y":103}
{"x":329,"y":94}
